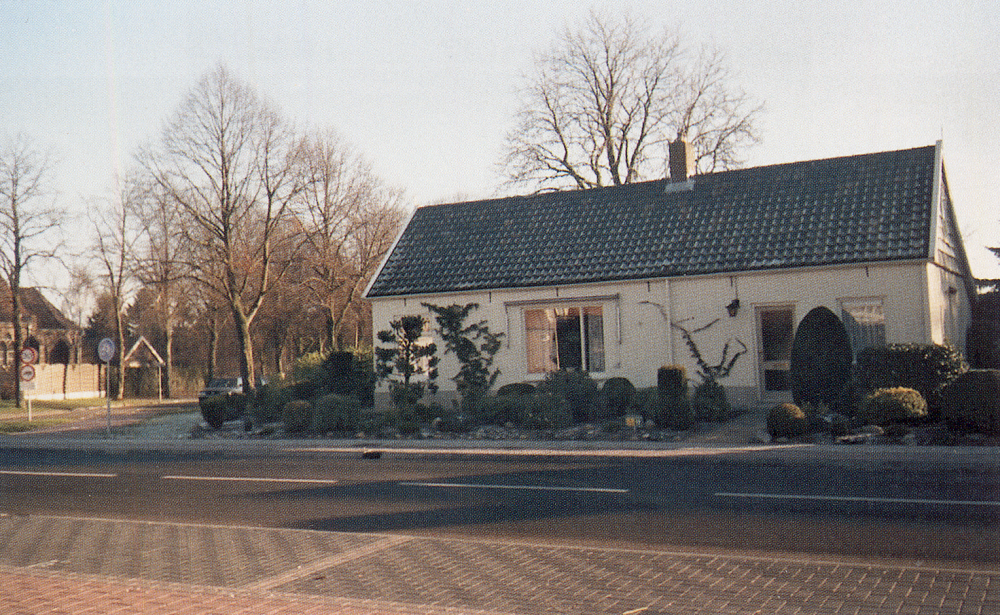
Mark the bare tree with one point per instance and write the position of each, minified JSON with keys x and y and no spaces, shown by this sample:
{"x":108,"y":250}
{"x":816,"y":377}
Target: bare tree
{"x":28,"y":221}
{"x":606,"y":99}
{"x":115,"y":236}
{"x":351,"y":218}
{"x":159,"y":264}
{"x":227,"y":161}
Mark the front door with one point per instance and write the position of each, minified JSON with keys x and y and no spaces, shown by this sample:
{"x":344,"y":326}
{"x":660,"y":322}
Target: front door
{"x":776,"y":329}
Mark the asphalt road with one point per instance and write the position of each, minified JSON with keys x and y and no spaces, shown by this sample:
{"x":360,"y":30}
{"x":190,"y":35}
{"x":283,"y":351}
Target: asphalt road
{"x":728,"y":502}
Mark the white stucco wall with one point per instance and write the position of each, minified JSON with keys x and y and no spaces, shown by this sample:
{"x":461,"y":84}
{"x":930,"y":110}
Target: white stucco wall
{"x":916,"y":304}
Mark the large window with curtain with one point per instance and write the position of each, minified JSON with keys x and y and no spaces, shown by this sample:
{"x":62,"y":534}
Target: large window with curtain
{"x":565,"y":338}
{"x":864,"y":320}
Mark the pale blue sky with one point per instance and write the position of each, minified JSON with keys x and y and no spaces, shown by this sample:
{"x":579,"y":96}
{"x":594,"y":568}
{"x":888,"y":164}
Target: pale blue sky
{"x":427,"y":90}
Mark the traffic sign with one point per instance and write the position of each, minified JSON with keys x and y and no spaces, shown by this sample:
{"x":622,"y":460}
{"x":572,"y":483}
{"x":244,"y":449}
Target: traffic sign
{"x":106,"y":349}
{"x":27,"y":373}
{"x":29,"y":355}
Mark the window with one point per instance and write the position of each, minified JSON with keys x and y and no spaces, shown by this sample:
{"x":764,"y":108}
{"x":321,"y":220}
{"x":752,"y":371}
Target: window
{"x":565,"y":338}
{"x":865,"y":322}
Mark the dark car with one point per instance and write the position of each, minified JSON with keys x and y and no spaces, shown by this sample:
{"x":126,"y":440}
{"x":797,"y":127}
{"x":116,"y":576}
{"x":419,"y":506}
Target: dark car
{"x":221,"y":386}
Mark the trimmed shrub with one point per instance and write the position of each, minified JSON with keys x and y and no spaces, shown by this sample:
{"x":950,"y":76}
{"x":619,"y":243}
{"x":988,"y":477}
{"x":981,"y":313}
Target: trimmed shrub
{"x":709,"y":402}
{"x":787,"y":421}
{"x":895,"y":405}
{"x":213,"y":410}
{"x":271,"y":400}
{"x":617,"y":395}
{"x":516,"y":389}
{"x":568,"y":393}
{"x":349,"y":373}
{"x":336,"y":413}
{"x":647,"y":403}
{"x":821,"y":358}
{"x":510,"y":408}
{"x":972,"y":402}
{"x":928,"y":368}
{"x":674,"y":409}
{"x":297,"y":416}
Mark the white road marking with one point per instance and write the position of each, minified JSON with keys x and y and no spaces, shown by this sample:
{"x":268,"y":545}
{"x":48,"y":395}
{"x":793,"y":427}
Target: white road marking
{"x":59,"y":474}
{"x":253,"y":479}
{"x":524,"y":487}
{"x":839,"y":498}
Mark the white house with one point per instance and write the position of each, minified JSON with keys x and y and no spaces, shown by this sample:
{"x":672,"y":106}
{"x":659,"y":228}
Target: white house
{"x":592,"y":279}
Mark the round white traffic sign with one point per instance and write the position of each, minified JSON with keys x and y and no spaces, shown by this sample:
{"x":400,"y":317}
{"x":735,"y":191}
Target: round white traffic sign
{"x":27,"y":373}
{"x":29,"y":355}
{"x":106,"y":349}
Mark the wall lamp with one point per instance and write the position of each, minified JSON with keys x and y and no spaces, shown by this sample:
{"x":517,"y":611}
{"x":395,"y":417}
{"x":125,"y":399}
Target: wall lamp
{"x":733,"y":308}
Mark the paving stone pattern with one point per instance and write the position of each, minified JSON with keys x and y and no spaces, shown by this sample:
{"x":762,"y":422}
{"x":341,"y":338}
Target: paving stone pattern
{"x":58,"y":565}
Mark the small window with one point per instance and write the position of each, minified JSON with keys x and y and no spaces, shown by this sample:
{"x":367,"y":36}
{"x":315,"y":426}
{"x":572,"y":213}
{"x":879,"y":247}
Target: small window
{"x":864,"y":320}
{"x":565,"y":338}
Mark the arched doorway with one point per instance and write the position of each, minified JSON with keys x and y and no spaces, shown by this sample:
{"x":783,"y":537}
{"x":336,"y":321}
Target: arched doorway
{"x":59,"y":353}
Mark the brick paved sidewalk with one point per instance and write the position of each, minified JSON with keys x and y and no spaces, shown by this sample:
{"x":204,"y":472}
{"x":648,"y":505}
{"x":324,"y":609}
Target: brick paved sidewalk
{"x":54,"y":565}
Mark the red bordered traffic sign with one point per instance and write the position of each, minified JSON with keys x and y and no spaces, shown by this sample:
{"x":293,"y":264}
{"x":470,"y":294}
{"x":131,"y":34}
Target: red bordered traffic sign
{"x":29,"y":355}
{"x":27,"y":373}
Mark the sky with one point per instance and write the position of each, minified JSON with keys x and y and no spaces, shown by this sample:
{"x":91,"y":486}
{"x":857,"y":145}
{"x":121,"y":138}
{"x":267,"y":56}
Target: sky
{"x":427,"y":91}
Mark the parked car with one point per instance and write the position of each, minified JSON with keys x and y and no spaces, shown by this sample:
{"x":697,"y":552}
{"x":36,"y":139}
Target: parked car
{"x":225,"y":386}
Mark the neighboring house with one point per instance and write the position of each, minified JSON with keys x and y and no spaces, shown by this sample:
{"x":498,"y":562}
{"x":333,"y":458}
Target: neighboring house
{"x":57,"y":340}
{"x":592,"y":279}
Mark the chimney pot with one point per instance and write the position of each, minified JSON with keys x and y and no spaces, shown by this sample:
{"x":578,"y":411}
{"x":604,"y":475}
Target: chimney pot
{"x":681,"y":160}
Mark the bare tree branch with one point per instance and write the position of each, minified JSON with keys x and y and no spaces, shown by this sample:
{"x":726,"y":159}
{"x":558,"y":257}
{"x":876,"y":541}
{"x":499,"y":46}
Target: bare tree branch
{"x":606,"y":99}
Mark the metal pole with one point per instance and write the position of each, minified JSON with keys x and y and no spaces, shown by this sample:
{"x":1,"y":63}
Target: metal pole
{"x":107,"y":393}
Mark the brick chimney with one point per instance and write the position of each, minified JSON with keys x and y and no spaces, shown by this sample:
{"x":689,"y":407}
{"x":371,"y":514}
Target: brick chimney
{"x":681,"y":160}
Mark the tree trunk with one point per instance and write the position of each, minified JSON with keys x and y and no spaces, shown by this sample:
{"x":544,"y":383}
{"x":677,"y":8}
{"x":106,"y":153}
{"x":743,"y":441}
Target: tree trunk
{"x":15,"y":292}
{"x":119,"y":325}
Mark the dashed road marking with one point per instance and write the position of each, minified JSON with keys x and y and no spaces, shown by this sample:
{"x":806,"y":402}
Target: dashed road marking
{"x":514,"y":487}
{"x":58,"y":474}
{"x":253,"y":479}
{"x":844,"y":498}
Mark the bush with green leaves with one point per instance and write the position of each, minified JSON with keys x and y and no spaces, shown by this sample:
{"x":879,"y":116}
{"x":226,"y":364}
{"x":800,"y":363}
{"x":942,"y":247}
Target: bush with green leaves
{"x":297,"y":416}
{"x":821,"y":358}
{"x":893,"y":405}
{"x":214,"y":410}
{"x":516,"y":389}
{"x":617,"y":395}
{"x":406,"y":357}
{"x":709,"y":402}
{"x":672,"y":392}
{"x":928,"y":368}
{"x":336,"y":413}
{"x":787,"y":421}
{"x":647,"y":402}
{"x":509,"y":408}
{"x":972,"y":402}
{"x":569,"y":392}
{"x":271,"y":400}
{"x":349,"y":373}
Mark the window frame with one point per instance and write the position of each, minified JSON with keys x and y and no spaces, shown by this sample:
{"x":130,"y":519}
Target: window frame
{"x":590,"y":348}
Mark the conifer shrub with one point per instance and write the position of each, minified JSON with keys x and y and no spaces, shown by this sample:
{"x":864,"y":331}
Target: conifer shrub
{"x":821,"y":358}
{"x":709,"y":402}
{"x":672,"y":393}
{"x":972,"y":402}
{"x":297,"y":416}
{"x":893,"y":405}
{"x":787,"y":421}
{"x":617,"y":395}
{"x":335,"y":412}
{"x":213,"y":410}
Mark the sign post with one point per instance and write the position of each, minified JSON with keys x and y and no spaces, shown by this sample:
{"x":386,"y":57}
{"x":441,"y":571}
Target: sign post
{"x":27,"y":373}
{"x":106,"y":350}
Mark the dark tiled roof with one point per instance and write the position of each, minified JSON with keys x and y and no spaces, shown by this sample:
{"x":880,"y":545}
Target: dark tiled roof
{"x":867,"y":208}
{"x":33,"y":303}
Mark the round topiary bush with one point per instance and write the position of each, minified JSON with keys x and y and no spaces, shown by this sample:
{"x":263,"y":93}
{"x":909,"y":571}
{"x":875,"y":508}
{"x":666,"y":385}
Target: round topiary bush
{"x":787,"y":421}
{"x":214,"y":411}
{"x":617,"y":395}
{"x":972,"y":402}
{"x":896,"y":405}
{"x":821,"y":358}
{"x":297,"y":416}
{"x":516,"y":389}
